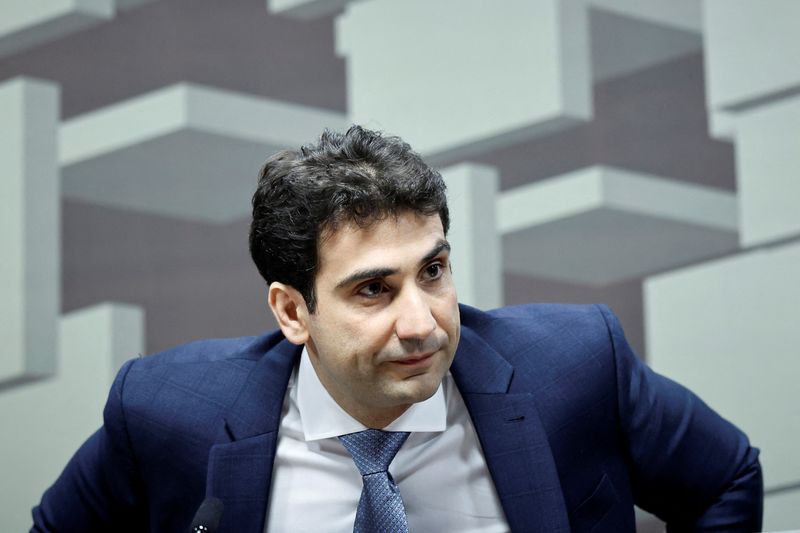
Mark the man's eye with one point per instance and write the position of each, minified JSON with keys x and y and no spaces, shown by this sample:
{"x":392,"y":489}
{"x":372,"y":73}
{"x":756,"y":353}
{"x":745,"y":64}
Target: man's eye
{"x":433,"y":271}
{"x":371,"y":290}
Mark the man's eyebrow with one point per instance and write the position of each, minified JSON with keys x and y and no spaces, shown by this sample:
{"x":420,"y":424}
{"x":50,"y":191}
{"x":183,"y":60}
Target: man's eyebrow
{"x":370,"y":273}
{"x":441,"y":246}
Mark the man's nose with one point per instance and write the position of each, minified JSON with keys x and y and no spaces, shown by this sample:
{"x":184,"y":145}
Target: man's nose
{"x":414,"y":317}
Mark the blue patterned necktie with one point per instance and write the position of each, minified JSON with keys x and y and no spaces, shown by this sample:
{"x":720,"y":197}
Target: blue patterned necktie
{"x":380,"y":509}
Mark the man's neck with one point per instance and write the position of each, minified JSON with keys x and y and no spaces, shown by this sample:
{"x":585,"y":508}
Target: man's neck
{"x":376,"y":420}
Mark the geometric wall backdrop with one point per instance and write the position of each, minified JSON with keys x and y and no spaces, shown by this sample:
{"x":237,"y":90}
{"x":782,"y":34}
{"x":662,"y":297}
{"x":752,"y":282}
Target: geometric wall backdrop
{"x":45,"y":421}
{"x":185,"y":150}
{"x":29,"y":229}
{"x":752,"y":97}
{"x":601,"y":225}
{"x":747,"y":45}
{"x":728,"y":329}
{"x":629,"y":35}
{"x":472,"y":192}
{"x":768,"y":170}
{"x":54,"y":370}
{"x":26,"y":24}
{"x":678,"y":13}
{"x":780,"y":511}
{"x":683,"y":14}
{"x":468,"y":99}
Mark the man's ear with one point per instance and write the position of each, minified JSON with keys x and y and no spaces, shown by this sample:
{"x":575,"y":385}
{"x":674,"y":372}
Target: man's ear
{"x":290,"y":310}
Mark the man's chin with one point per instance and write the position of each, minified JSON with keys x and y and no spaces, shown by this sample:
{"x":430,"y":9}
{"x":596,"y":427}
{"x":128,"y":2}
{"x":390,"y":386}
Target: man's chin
{"x":415,"y":389}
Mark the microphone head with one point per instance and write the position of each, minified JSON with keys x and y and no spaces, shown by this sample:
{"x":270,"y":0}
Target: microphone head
{"x":206,"y":520}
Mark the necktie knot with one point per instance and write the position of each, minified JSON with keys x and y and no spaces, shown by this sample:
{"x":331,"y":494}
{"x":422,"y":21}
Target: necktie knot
{"x":380,"y":509}
{"x":373,"y":450}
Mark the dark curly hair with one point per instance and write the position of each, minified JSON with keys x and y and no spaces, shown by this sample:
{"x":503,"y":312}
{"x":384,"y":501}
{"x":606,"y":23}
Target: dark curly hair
{"x":357,"y":177}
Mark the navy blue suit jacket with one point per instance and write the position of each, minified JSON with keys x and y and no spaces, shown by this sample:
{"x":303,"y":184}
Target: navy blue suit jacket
{"x":574,"y":428}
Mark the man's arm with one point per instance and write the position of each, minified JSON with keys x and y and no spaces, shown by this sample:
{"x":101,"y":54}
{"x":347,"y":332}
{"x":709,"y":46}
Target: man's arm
{"x":690,"y":467}
{"x":97,"y":489}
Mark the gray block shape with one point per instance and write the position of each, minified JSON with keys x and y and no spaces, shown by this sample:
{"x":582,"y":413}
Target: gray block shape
{"x":685,"y":15}
{"x":602,"y":225}
{"x":29,"y":229}
{"x":476,"y":254}
{"x":185,"y":151}
{"x":25,"y":24}
{"x":623,"y":41}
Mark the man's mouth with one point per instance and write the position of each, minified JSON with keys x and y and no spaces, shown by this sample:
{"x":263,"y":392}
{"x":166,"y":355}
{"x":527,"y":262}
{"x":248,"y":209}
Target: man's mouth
{"x":416,"y":360}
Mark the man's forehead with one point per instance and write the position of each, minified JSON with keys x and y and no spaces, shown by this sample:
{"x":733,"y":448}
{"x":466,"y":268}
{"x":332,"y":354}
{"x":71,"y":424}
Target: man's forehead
{"x":350,"y":243}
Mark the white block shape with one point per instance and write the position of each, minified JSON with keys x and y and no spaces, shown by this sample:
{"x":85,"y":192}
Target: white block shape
{"x":768,"y":171}
{"x":750,"y":50}
{"x":453,"y":77}
{"x":728,"y":330}
{"x":24,"y":24}
{"x":306,"y":9}
{"x":780,"y":512}
{"x":602,"y":225}
{"x":186,"y":151}
{"x":722,"y":125}
{"x":45,"y":422}
{"x":476,"y":254}
{"x":29,"y":229}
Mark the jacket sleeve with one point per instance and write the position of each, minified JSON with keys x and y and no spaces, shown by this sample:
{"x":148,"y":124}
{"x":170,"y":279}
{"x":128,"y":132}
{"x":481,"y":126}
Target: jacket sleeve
{"x":98,"y":489}
{"x":689,"y":466}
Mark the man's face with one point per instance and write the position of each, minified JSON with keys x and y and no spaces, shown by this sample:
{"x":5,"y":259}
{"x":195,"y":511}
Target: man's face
{"x":386,"y":324}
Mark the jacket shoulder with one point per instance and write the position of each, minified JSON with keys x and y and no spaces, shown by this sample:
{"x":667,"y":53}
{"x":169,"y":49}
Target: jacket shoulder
{"x":546,"y":342}
{"x":517,"y":325}
{"x":187,"y":389}
{"x":214,"y":350}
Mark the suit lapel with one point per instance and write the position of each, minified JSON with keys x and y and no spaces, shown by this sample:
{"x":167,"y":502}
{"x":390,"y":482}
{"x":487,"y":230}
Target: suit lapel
{"x":240,"y":464}
{"x":513,"y":439}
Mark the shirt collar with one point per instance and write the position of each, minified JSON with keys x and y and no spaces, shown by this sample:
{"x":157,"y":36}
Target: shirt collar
{"x":322,"y":417}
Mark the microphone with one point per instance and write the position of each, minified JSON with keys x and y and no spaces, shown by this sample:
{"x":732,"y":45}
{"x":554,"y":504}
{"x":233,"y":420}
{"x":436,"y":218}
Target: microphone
{"x":206,"y":520}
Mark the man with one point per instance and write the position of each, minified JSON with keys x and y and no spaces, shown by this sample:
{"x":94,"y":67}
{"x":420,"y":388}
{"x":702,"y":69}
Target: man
{"x":534,"y":418}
